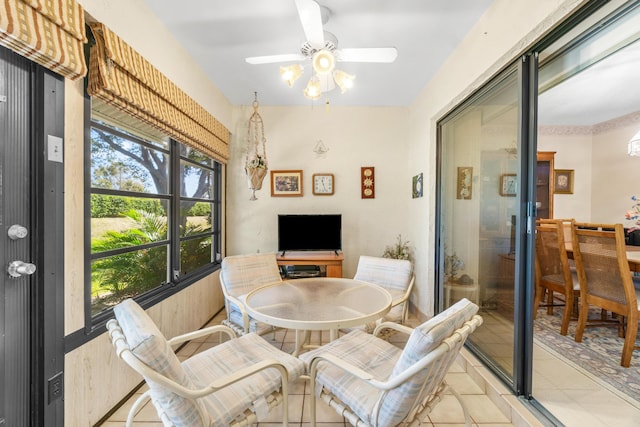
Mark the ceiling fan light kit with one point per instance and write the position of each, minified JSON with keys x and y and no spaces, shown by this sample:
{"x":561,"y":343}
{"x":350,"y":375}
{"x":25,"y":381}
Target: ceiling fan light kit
{"x":321,"y":48}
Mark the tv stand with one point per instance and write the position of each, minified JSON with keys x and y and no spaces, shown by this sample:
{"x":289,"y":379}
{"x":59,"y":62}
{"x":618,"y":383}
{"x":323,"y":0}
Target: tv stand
{"x":331,"y":260}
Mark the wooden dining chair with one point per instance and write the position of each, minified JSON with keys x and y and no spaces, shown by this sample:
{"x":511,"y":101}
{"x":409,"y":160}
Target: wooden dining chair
{"x":552,"y":270}
{"x":605,"y":280}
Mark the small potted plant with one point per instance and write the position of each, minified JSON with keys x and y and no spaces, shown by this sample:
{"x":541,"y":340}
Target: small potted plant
{"x":256,"y":169}
{"x":400,"y":250}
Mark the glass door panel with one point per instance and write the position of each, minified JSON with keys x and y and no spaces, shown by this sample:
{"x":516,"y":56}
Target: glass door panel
{"x":479,"y":200}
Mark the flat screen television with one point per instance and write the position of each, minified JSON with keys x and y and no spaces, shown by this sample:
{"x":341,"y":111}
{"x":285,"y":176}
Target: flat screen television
{"x":309,"y":232}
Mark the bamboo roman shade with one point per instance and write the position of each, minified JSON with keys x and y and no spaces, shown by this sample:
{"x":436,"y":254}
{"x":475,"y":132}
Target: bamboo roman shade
{"x":120,"y":76}
{"x":49,"y":32}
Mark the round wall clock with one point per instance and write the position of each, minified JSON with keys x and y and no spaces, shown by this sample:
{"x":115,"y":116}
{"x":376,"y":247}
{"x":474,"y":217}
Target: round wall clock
{"x":323,"y":184}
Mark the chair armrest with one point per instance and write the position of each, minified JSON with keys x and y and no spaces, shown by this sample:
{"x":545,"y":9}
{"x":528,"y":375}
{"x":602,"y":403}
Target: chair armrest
{"x":202,"y":333}
{"x":181,"y":390}
{"x":345,"y":366}
{"x":392,"y":325}
{"x":386,"y":384}
{"x":406,"y":294}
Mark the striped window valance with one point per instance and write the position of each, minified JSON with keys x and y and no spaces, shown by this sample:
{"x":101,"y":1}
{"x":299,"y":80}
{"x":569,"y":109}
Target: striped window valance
{"x":49,"y":32}
{"x":120,"y":76}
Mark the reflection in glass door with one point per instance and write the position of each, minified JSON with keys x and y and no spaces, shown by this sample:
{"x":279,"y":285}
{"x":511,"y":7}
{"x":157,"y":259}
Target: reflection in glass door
{"x":479,"y":202}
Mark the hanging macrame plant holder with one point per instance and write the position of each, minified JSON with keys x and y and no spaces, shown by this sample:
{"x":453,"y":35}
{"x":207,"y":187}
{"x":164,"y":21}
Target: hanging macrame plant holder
{"x":255,"y":165}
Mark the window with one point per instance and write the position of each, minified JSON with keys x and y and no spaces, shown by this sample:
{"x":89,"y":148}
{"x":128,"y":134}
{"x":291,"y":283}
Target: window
{"x":154,"y":213}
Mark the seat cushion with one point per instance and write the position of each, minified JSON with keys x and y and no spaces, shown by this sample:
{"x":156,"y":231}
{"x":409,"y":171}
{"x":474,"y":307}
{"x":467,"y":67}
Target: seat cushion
{"x":212,"y":365}
{"x":260,"y":328}
{"x":425,"y":338}
{"x":365,"y":351}
{"x":149,"y":345}
{"x":235,"y":317}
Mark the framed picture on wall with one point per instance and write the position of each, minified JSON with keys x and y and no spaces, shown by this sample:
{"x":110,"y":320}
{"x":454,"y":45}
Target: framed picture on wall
{"x":563,"y":181}
{"x":508,"y":184}
{"x":465,"y":176}
{"x":286,"y":183}
{"x":416,"y":190}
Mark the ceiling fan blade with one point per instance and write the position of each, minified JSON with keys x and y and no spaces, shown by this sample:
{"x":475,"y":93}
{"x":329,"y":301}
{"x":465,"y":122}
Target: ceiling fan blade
{"x":269,"y":59}
{"x":373,"y":54}
{"x":311,"y":19}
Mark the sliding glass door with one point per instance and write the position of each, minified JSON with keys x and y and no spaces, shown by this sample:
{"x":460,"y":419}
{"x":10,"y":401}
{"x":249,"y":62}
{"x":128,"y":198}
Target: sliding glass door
{"x":487,"y":151}
{"x":481,"y":200}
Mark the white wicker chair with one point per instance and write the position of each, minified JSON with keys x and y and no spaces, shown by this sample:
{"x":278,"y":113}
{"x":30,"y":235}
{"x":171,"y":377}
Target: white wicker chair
{"x":374,"y":383}
{"x":235,"y":383}
{"x":240,"y":274}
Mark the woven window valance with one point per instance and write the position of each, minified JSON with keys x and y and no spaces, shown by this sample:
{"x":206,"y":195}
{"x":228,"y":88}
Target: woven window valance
{"x":49,"y":32}
{"x":121,"y":77}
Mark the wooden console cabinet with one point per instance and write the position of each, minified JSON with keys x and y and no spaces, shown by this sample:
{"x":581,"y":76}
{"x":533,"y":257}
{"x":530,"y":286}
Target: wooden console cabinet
{"x":331,"y":261}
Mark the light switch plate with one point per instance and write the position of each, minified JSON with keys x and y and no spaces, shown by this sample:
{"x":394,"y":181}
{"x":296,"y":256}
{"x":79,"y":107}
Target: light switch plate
{"x":54,"y":149}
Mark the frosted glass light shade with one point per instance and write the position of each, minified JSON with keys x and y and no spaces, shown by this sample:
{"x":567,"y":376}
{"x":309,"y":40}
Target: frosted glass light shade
{"x":291,"y":73}
{"x":343,"y":80}
{"x":313,"y":90}
{"x":324,"y":62}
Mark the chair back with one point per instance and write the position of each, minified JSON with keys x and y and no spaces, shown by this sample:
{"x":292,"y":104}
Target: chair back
{"x":397,"y":403}
{"x":552,"y":261}
{"x":241,"y":274}
{"x":602,"y":266}
{"x":567,"y":225}
{"x":395,"y":275}
{"x":142,"y":346}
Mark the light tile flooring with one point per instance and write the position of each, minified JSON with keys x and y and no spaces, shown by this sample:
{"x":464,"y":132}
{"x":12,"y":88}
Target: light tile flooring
{"x":570,"y":394}
{"x":484,"y":412}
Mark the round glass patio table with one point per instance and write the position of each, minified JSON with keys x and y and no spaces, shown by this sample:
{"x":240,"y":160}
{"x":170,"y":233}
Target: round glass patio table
{"x":317,"y":304}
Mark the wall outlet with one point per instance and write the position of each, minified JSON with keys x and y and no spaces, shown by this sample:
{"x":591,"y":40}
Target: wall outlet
{"x":56,"y":386}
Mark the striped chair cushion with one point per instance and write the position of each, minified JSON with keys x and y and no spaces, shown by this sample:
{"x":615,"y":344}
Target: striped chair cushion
{"x":254,"y":326}
{"x":425,"y":338}
{"x":149,"y":345}
{"x":224,"y":405}
{"x":392,"y":274}
{"x":243,"y":273}
{"x":364,"y":351}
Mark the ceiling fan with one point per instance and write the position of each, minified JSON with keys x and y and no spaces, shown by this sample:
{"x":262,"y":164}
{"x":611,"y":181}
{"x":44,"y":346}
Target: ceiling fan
{"x":321,"y":48}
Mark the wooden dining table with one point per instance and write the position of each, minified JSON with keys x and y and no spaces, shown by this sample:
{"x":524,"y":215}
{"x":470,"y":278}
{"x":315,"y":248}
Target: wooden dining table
{"x":633,"y":256}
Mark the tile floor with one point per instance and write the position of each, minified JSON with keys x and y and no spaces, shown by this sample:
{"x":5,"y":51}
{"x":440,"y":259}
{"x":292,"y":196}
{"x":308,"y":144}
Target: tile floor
{"x":571,"y":395}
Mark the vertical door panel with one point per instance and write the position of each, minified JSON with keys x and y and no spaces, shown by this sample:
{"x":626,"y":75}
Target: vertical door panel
{"x":15,"y":292}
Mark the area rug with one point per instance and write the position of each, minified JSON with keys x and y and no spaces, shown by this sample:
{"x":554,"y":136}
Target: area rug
{"x":598,"y":355}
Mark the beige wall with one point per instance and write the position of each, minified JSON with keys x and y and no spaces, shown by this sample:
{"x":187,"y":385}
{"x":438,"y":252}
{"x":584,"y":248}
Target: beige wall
{"x":95,"y":379}
{"x":615,"y":174}
{"x":399,"y":142}
{"x":573,"y":147}
{"x":355,"y":137}
{"x":605,"y":176}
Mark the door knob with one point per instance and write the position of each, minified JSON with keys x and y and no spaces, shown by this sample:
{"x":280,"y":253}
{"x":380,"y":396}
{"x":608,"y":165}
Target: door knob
{"x":20,"y":268}
{"x":17,"y":231}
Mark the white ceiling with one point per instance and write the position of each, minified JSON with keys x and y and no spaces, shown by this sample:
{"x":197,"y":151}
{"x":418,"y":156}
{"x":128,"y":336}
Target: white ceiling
{"x":606,"y":90}
{"x":220,"y":34}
